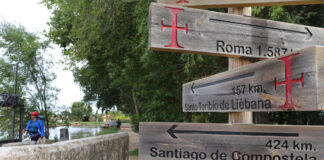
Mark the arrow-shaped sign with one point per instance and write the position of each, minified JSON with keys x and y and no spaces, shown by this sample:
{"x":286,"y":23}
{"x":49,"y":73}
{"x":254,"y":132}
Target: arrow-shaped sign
{"x":166,"y":141}
{"x":290,"y":82}
{"x":237,"y":3}
{"x":308,"y":34}
{"x":180,"y":29}
{"x":172,"y":131}
{"x":234,"y":78}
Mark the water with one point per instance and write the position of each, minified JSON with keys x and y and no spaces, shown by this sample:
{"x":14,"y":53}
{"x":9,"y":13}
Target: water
{"x":75,"y":132}
{"x":3,"y":135}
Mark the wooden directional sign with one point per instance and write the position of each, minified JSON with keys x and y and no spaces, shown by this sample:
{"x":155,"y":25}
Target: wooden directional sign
{"x":178,"y":29}
{"x":184,"y":141}
{"x":290,"y":82}
{"x":236,"y":3}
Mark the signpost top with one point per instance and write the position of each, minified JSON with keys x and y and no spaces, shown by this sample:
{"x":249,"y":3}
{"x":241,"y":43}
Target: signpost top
{"x":188,"y":30}
{"x":237,"y":3}
{"x":291,"y":82}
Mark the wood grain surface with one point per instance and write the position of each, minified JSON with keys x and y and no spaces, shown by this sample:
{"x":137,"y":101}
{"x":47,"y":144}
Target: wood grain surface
{"x":237,"y":3}
{"x":266,"y":86}
{"x":178,"y":29}
{"x":240,"y":117}
{"x":160,"y":141}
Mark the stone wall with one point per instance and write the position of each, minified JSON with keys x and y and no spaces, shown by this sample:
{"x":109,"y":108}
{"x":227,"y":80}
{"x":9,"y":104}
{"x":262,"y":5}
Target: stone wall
{"x":106,"y":147}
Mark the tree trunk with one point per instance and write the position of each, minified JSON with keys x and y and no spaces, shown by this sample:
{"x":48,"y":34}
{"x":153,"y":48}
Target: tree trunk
{"x":47,"y":124}
{"x":135,"y":103}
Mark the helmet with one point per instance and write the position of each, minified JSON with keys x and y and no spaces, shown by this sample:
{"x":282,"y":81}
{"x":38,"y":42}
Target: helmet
{"x":34,"y":114}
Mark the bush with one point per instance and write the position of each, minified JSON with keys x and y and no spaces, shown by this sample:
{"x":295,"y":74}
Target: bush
{"x":135,"y":123}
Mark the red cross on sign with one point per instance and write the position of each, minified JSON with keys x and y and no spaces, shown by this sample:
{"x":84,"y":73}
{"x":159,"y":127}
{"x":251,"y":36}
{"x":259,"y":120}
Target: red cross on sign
{"x":183,"y":1}
{"x":289,"y":105}
{"x":174,"y":27}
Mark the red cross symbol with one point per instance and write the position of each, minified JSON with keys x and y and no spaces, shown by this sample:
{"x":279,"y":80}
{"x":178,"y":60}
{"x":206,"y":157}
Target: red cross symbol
{"x":174,"y":27}
{"x":289,"y":105}
{"x":183,"y":1}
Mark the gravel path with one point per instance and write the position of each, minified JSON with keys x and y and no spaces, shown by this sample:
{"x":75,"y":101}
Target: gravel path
{"x":133,"y":138}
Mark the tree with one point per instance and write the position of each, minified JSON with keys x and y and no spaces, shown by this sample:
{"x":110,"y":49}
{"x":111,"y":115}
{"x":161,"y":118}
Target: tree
{"x":29,"y":51}
{"x":65,"y":117}
{"x":79,"y":111}
{"x":110,"y":38}
{"x":62,"y":115}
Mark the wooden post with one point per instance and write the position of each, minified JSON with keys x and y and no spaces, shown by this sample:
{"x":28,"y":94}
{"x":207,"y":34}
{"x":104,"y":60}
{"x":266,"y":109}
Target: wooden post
{"x":239,"y":117}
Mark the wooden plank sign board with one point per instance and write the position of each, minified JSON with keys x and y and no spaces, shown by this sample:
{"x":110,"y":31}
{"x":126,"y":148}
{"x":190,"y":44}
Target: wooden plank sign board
{"x":290,"y":82}
{"x":236,"y":3}
{"x":178,"y":29}
{"x":185,"y":141}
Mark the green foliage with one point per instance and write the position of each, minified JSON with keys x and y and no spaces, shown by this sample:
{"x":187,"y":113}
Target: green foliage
{"x":34,"y":83}
{"x":65,"y":115}
{"x":109,"y":38}
{"x":88,"y":124}
{"x":56,"y":139}
{"x":79,"y":110}
{"x":117,"y":115}
{"x":133,"y":152}
{"x":135,"y":123}
{"x":109,"y":130}
{"x":307,"y":15}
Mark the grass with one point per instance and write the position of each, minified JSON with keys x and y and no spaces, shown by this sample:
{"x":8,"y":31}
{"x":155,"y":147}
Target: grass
{"x":109,"y":130}
{"x":133,"y":152}
{"x":80,"y":135}
{"x":122,"y":117}
{"x":86,"y":123}
{"x":104,"y":131}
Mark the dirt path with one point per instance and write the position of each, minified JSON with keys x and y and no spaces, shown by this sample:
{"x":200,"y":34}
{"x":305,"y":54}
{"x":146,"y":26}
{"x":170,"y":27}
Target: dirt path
{"x":133,"y":138}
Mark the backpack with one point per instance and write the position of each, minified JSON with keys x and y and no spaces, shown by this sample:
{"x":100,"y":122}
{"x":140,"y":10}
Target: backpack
{"x":42,"y":118}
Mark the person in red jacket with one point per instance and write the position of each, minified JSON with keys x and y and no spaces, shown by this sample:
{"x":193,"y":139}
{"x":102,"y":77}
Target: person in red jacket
{"x":35,"y":127}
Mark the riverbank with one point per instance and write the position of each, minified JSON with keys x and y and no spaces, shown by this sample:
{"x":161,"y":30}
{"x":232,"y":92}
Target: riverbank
{"x":86,"y":123}
{"x":75,"y":132}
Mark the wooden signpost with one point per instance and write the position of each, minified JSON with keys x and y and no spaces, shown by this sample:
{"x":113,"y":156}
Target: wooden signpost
{"x":179,"y":29}
{"x":236,"y":3}
{"x":185,"y":141}
{"x":240,"y":117}
{"x":292,"y":82}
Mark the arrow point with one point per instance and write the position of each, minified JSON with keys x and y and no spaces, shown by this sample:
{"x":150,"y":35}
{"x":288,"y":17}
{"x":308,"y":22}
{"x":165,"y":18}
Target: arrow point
{"x":171,"y":132}
{"x":309,"y":34}
{"x":192,"y":88}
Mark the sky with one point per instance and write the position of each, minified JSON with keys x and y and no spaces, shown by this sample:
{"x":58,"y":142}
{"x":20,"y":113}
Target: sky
{"x":34,"y":17}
